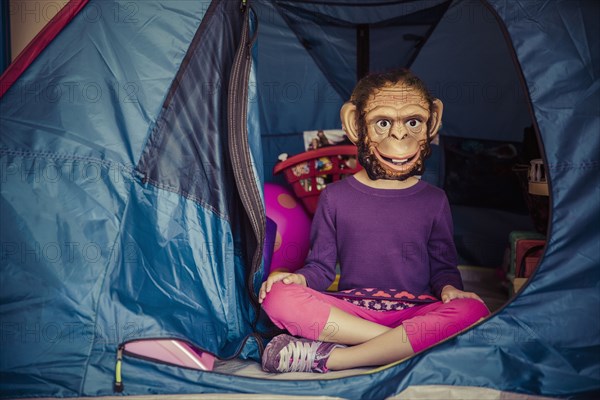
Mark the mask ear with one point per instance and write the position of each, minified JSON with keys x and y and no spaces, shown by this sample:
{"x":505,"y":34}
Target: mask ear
{"x":436,"y":118}
{"x":348,"y":115}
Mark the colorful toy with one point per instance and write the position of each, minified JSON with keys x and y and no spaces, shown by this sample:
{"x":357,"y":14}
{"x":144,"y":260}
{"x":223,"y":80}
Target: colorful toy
{"x":301,"y":169}
{"x":292,"y":239}
{"x":323,"y":164}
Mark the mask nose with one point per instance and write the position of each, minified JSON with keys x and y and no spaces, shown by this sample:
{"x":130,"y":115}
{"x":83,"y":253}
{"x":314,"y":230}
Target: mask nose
{"x":397,"y":132}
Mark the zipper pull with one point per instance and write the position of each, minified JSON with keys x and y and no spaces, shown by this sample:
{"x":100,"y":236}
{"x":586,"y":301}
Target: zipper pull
{"x":243,"y":5}
{"x":118,"y":386}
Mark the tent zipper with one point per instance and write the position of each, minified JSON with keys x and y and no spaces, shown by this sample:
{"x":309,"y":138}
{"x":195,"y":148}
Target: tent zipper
{"x":239,"y":150}
{"x":118,"y":385}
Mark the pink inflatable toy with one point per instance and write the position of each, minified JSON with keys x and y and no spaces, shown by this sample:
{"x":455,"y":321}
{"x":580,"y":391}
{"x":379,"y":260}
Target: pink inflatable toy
{"x":292,"y":239}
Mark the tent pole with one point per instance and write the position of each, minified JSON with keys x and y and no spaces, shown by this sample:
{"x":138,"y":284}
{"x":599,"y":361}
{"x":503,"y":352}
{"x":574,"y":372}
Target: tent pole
{"x":362,"y":51}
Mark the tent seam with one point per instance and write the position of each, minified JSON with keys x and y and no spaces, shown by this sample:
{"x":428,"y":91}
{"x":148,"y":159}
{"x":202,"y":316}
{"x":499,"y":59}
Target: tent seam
{"x":162,"y":186}
{"x":565,"y":165}
{"x":61,"y":156}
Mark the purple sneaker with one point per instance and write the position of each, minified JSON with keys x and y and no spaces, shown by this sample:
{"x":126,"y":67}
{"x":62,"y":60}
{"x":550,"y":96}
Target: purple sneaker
{"x":287,"y":353}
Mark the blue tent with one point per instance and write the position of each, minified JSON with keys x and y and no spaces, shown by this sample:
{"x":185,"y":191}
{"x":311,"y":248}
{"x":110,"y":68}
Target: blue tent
{"x":134,"y":148}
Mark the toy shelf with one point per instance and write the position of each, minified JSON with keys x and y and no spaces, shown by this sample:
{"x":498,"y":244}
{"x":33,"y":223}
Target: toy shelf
{"x":311,"y":171}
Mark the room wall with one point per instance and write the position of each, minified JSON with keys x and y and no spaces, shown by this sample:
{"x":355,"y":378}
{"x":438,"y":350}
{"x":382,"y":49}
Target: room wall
{"x":27,"y":18}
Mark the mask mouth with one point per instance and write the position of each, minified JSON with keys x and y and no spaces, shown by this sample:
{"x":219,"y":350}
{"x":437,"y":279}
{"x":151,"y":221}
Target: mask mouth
{"x":398,"y":163}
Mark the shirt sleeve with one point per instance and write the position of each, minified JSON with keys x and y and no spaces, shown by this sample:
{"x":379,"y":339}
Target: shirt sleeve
{"x":319,"y":268}
{"x":443,"y":258}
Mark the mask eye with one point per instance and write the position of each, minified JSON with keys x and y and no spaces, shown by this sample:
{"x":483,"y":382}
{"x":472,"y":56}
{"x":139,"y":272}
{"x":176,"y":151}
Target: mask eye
{"x":414,"y":125}
{"x":383,"y":125}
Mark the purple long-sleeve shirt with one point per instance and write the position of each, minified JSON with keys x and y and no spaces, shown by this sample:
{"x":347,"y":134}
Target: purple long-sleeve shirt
{"x":383,"y":238}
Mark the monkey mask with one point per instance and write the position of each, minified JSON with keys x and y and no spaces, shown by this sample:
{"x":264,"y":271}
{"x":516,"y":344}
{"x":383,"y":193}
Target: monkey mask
{"x":393,"y":130}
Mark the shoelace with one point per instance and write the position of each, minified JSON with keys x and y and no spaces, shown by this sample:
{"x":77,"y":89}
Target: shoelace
{"x":301,"y":354}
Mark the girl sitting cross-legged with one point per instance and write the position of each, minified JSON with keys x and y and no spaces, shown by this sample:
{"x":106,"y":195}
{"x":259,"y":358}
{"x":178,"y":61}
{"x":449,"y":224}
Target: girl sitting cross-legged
{"x":400,"y":290}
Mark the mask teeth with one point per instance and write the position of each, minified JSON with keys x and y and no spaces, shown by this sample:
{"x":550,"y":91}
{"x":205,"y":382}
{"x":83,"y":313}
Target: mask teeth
{"x":396,"y":161}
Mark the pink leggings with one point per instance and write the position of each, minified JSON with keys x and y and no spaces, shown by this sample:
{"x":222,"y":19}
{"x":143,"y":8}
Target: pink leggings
{"x":304,"y":312}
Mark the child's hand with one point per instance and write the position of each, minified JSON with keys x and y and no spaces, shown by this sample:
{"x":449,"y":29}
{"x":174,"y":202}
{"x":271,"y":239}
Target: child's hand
{"x":449,"y":293}
{"x":285,"y":277}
